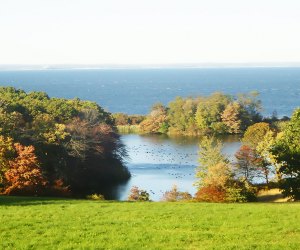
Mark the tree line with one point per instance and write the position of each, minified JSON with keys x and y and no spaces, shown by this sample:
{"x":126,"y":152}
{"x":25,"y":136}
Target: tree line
{"x":215,"y":114}
{"x":55,"y":146}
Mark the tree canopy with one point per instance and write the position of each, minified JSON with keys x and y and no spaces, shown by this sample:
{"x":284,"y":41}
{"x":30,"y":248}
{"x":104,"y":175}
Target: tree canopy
{"x":54,"y":140}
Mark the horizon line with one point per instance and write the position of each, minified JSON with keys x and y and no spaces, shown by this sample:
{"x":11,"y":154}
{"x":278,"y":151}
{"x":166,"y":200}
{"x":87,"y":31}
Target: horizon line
{"x":77,"y":66}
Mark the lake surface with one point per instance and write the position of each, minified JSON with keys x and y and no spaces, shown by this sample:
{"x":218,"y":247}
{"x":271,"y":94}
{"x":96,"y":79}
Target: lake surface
{"x":135,"y":91}
{"x":158,"y":162}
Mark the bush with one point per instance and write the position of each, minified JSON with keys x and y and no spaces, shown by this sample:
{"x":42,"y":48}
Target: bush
{"x":211,"y":194}
{"x":137,"y":194}
{"x":98,"y":197}
{"x":175,"y":195}
{"x":241,"y":192}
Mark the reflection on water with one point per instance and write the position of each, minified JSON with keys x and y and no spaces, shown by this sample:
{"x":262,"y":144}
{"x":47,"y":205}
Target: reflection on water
{"x":157,"y":162}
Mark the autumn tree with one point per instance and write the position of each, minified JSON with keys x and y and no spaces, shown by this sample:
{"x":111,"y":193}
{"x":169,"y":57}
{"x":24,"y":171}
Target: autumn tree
{"x":247,"y":162}
{"x":210,"y":154}
{"x":175,"y":195}
{"x":231,"y":118}
{"x":217,"y":182}
{"x":24,"y":175}
{"x":137,"y":194}
{"x":156,"y":121}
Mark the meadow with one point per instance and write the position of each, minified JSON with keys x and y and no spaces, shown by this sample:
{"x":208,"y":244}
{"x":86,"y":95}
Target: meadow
{"x":51,"y":223}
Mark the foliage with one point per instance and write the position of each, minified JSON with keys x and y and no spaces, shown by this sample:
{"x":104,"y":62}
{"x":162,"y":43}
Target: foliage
{"x":255,"y":133}
{"x":7,"y":152}
{"x":24,"y":175}
{"x":137,"y":194}
{"x":78,"y":150}
{"x":209,"y":156}
{"x":217,"y":113}
{"x":216,"y":179}
{"x":124,"y":119}
{"x":211,"y":194}
{"x":128,"y":129}
{"x":247,"y":162}
{"x":175,"y":195}
{"x":209,"y":111}
{"x":156,"y":121}
{"x":98,"y":197}
{"x":231,"y":117}
{"x":286,"y":150}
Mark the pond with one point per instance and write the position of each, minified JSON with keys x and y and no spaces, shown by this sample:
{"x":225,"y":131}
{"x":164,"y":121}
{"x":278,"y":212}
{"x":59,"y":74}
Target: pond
{"x":157,"y":162}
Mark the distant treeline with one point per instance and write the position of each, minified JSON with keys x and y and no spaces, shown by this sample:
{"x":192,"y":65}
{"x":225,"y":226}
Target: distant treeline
{"x":56,"y":146}
{"x":217,"y":114}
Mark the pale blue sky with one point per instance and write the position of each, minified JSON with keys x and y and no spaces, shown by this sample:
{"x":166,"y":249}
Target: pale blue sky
{"x":148,"y":31}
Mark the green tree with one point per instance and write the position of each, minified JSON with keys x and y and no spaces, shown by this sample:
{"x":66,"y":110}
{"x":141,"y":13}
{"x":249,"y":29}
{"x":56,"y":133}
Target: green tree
{"x":210,"y":154}
{"x":287,"y":152}
{"x":181,"y":115}
{"x":210,"y":109}
{"x":255,"y":134}
{"x":7,"y":153}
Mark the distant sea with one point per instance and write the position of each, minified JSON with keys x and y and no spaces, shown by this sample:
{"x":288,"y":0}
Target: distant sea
{"x":134,"y":91}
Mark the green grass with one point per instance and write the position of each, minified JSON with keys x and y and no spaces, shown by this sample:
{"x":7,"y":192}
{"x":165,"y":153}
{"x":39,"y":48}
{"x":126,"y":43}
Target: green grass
{"x":41,"y":223}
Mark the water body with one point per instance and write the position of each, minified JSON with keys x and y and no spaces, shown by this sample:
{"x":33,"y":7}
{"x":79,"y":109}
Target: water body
{"x":157,"y":162}
{"x":135,"y":91}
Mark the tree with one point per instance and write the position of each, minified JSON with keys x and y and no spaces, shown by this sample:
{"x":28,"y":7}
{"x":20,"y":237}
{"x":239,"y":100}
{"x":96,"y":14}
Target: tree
{"x":247,"y":162}
{"x":76,"y":141}
{"x":137,"y":194}
{"x":181,"y":116}
{"x":264,"y":149}
{"x":7,"y":152}
{"x":24,"y":175}
{"x":286,"y":150}
{"x":210,"y":109}
{"x":156,"y":121}
{"x":209,"y":156}
{"x":175,"y":195}
{"x":231,"y":118}
{"x":250,"y":108}
{"x":255,"y":134}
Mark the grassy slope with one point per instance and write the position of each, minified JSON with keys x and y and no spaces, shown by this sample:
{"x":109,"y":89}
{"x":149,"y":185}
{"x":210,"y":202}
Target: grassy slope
{"x":34,"y":223}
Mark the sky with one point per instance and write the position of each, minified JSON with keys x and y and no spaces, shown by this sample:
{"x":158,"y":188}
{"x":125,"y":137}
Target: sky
{"x":149,"y":31}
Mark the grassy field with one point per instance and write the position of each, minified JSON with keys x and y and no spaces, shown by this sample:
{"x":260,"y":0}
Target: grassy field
{"x":41,"y":223}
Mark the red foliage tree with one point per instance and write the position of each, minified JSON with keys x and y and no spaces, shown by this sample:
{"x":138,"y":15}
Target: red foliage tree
{"x":24,"y":175}
{"x":211,"y":194}
{"x":248,"y":162}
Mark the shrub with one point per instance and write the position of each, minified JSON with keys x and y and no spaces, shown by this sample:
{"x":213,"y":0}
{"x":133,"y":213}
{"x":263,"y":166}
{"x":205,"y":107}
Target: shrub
{"x":98,"y":197}
{"x":241,"y":191}
{"x":175,"y":195}
{"x":137,"y":194}
{"x":211,"y":194}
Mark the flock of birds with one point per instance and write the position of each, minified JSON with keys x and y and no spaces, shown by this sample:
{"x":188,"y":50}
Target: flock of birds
{"x":177,"y":162}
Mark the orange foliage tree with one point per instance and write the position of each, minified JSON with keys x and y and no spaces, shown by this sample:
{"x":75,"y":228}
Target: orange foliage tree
{"x":24,"y":174}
